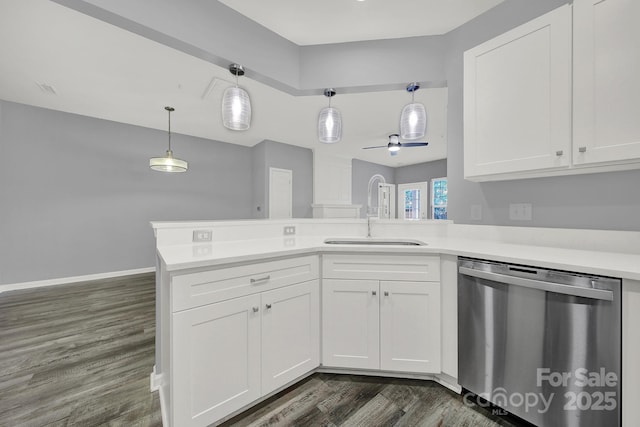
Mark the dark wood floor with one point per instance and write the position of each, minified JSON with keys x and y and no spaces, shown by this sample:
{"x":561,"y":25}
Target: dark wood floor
{"x":350,"y":400}
{"x":81,"y":355}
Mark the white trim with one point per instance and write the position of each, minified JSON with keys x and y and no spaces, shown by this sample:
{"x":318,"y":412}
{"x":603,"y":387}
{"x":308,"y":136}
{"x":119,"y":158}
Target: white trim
{"x":155,"y":380}
{"x":73,"y":279}
{"x":163,"y":407}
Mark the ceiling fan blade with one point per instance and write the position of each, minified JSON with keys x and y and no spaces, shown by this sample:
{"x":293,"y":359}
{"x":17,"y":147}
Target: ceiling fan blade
{"x":377,"y":146}
{"x":415,"y":144}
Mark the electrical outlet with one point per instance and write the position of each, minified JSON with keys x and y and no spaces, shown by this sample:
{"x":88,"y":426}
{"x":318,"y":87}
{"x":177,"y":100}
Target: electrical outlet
{"x":520,"y":212}
{"x":476,"y":212}
{"x":289,"y":230}
{"x":202,"y":235}
{"x":202,"y":250}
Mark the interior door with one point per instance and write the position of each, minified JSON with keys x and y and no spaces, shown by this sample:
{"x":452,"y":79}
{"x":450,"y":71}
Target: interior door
{"x":386,"y":201}
{"x":280,"y":193}
{"x":413,"y":200}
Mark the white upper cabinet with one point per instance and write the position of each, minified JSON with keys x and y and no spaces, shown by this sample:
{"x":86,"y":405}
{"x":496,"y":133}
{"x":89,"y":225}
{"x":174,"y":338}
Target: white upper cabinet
{"x":606,"y":78}
{"x":547,"y":99}
{"x":517,"y":106}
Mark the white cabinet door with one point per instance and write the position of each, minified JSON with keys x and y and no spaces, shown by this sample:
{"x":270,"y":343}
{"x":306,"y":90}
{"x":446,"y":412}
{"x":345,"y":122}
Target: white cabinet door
{"x":517,"y":99}
{"x":606,"y":81}
{"x":290,"y":333}
{"x":350,"y":328}
{"x":410,"y":326}
{"x":215,"y":366}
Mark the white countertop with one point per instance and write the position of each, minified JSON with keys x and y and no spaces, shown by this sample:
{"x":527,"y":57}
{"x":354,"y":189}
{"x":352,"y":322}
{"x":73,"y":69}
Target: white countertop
{"x":197,"y":255}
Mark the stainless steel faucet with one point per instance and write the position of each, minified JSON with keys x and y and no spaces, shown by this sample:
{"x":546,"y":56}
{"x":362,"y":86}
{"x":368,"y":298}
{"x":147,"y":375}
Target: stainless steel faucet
{"x":370,"y":209}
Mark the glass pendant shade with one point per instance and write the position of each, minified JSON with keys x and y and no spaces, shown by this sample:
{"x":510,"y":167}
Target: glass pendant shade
{"x":168,"y":163}
{"x":413,"y":121}
{"x":329,"y":125}
{"x":236,"y":109}
{"x":329,"y":121}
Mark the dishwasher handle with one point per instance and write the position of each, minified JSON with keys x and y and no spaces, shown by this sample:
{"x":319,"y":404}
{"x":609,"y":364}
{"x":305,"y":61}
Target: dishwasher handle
{"x":557,"y":288}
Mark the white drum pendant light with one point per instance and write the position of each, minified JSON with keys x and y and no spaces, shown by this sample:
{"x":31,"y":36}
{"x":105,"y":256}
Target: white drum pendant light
{"x":168,"y":163}
{"x":236,"y":105}
{"x":329,"y":122}
{"x":413,"y":121}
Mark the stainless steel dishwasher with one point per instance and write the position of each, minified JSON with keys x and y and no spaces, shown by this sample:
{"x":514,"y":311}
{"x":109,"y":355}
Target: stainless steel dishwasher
{"x":545,"y":345}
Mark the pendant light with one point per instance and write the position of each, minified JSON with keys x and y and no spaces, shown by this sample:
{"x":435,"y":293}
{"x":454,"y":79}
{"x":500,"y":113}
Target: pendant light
{"x":329,"y":122}
{"x":413,"y":121}
{"x":236,"y":105}
{"x":168,"y":163}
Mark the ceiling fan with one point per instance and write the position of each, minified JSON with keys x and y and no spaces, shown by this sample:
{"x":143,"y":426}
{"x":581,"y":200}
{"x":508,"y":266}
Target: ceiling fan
{"x":394,"y":144}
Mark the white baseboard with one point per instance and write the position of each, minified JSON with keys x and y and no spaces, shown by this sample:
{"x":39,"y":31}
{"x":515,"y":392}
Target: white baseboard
{"x":155,"y":380}
{"x":74,"y":279}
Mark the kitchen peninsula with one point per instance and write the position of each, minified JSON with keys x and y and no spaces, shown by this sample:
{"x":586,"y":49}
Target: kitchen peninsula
{"x":251,"y":307}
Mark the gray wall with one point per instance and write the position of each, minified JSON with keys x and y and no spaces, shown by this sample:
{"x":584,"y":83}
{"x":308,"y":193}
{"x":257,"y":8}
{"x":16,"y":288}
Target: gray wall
{"x":374,"y":63}
{"x":270,"y":154}
{"x":77,"y":193}
{"x":421,"y":172}
{"x":361,"y":172}
{"x":597,"y":201}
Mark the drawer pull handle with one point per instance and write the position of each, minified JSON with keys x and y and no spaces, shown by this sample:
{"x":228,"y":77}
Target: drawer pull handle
{"x":559,"y":153}
{"x":260,"y":279}
{"x":255,"y":309}
{"x":374,"y":293}
{"x":386,"y":293}
{"x":582,"y":149}
{"x":268,"y":306}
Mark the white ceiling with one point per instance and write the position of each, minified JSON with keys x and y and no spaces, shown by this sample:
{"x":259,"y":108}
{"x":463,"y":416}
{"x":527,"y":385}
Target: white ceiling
{"x":102,"y":71}
{"x":337,"y":21}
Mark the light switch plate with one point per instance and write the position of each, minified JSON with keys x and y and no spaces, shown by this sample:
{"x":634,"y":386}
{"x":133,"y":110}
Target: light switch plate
{"x":289,"y":230}
{"x":202,"y":235}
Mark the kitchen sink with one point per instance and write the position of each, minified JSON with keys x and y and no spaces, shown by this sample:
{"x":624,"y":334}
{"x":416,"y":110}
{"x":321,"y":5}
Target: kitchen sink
{"x":373,"y":241}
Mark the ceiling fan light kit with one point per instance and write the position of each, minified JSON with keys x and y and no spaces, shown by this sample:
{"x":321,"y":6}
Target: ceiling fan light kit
{"x":394,"y":143}
{"x":329,"y":122}
{"x":168,"y":163}
{"x":413,"y":120}
{"x":236,"y":105}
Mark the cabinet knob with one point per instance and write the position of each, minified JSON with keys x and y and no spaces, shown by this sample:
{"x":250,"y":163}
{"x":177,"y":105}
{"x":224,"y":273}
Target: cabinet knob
{"x":559,"y":153}
{"x":582,"y":149}
{"x":386,"y":293}
{"x":374,"y":293}
{"x":268,"y":306}
{"x":255,"y":309}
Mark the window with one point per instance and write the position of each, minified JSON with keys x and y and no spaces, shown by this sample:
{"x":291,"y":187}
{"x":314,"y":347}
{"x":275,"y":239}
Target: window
{"x":439,"y":198}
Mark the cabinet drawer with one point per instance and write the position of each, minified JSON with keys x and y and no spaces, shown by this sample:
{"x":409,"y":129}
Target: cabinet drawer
{"x":205,"y":287}
{"x":382,"y":267}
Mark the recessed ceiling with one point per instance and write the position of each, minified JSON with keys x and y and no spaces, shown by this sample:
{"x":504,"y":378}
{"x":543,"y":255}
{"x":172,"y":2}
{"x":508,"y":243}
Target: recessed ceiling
{"x":57,"y":58}
{"x":335,"y":21}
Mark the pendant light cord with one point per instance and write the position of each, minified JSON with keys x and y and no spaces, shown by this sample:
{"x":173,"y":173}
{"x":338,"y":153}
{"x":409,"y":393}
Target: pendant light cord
{"x":169,"y":111}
